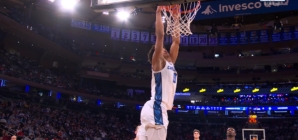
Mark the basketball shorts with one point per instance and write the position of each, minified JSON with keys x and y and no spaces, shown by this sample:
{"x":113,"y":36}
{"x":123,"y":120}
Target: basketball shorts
{"x":154,"y":121}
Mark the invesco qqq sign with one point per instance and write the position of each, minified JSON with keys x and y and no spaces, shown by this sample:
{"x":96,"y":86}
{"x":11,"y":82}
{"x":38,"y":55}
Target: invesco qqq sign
{"x":226,"y":8}
{"x":243,"y":6}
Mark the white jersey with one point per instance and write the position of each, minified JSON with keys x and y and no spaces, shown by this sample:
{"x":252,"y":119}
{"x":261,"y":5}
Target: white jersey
{"x":163,"y":85}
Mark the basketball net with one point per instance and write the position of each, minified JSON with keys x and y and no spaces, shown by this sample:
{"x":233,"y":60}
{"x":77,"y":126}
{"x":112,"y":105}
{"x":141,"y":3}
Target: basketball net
{"x":179,"y":17}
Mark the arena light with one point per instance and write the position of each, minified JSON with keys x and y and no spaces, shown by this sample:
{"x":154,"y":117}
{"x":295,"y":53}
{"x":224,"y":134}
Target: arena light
{"x":186,"y":90}
{"x":237,"y":90}
{"x":202,"y":90}
{"x":255,"y":90}
{"x":220,"y":90}
{"x":105,"y":13}
{"x":294,"y":88}
{"x":51,"y":0}
{"x":216,"y":55}
{"x":69,"y":4}
{"x":273,"y":89}
{"x":123,"y":15}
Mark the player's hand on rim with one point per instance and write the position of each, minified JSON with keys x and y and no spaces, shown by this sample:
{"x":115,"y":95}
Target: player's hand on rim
{"x":159,"y":9}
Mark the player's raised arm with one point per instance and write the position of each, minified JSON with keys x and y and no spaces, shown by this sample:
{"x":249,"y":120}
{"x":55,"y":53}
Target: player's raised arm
{"x":175,"y":40}
{"x":175,"y":48}
{"x":159,"y":31}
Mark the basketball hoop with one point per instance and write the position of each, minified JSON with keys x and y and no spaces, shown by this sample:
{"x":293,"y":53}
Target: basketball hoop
{"x":179,"y":17}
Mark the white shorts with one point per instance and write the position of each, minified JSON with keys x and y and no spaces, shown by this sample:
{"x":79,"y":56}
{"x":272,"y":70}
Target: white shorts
{"x":154,"y":134}
{"x":153,"y":113}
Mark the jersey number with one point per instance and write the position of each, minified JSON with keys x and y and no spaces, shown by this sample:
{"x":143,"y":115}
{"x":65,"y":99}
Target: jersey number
{"x":175,"y":78}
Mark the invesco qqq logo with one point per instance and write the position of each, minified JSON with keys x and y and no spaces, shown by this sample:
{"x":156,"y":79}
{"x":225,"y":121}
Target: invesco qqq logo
{"x":240,"y":7}
{"x":237,"y":7}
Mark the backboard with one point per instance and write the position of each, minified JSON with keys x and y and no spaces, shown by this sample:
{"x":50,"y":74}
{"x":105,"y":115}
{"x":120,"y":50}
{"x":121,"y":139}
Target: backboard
{"x":253,"y":134}
{"x":112,"y":5}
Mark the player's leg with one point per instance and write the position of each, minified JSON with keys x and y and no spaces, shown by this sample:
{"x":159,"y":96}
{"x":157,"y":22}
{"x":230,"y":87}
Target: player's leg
{"x":142,"y":138}
{"x":158,"y":130}
{"x":141,"y":135}
{"x":145,"y":117}
{"x":156,"y":134}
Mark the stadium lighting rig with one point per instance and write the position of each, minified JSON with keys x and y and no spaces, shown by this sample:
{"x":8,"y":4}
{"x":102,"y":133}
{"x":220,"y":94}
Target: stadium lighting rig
{"x":105,"y":13}
{"x":65,"y":4}
{"x":69,"y":4}
{"x":123,"y":15}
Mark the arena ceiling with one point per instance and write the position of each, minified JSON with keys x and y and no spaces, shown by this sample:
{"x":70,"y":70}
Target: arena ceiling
{"x":143,"y":20}
{"x":85,"y":12}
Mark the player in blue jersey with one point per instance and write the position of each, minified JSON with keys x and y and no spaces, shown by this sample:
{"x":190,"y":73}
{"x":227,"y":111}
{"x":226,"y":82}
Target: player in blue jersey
{"x":154,"y":117}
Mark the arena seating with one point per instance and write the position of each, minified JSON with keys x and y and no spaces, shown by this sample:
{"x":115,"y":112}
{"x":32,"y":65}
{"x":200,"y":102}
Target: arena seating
{"x":20,"y":67}
{"x":12,"y":64}
{"x":44,"y":118}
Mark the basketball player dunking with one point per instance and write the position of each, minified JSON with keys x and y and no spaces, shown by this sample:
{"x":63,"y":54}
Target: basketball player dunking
{"x":154,"y":117}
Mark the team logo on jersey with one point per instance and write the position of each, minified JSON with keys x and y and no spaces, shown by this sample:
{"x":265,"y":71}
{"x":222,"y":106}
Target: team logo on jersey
{"x":171,"y":68}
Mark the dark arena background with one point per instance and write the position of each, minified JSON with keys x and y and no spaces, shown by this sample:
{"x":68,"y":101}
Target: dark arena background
{"x":78,"y":70}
